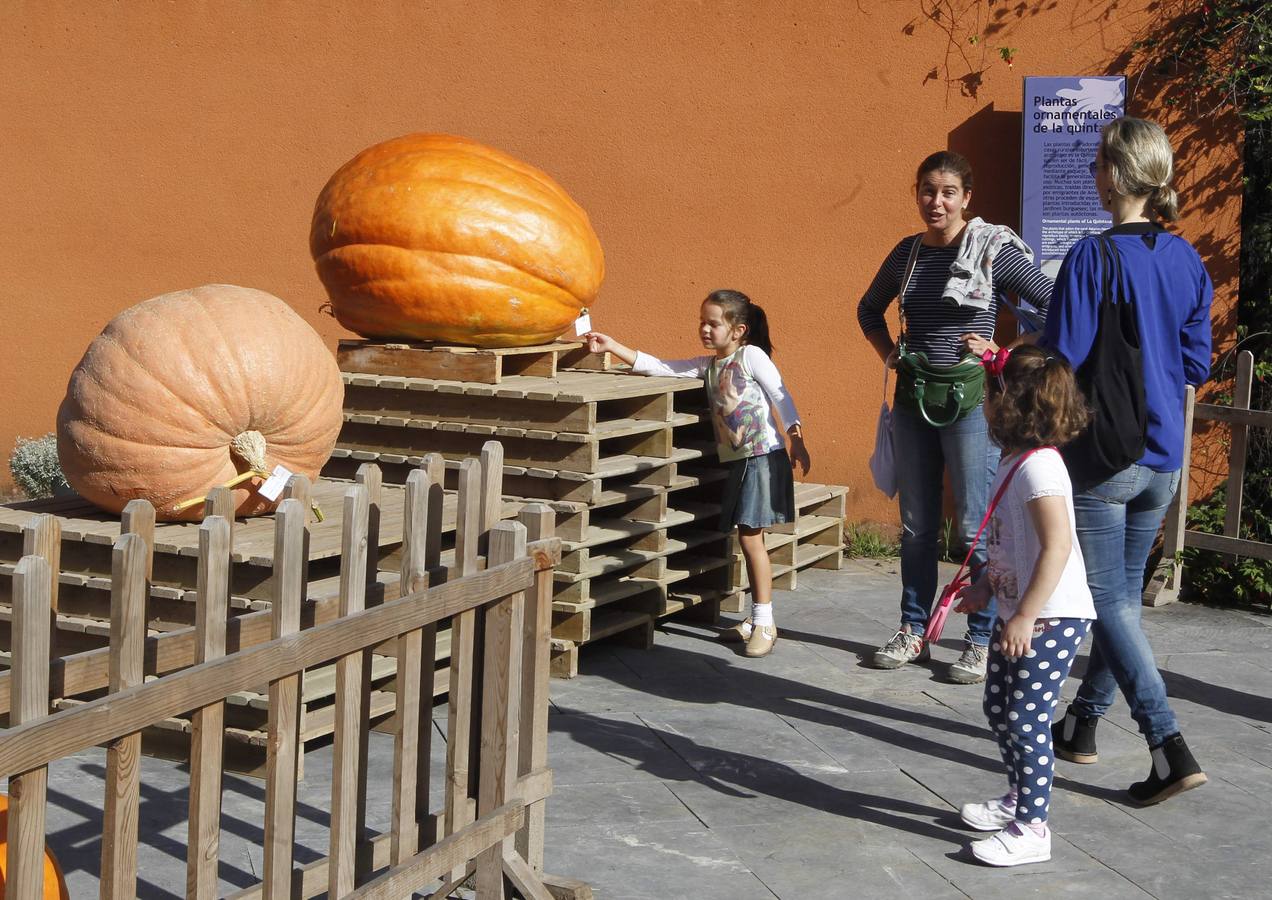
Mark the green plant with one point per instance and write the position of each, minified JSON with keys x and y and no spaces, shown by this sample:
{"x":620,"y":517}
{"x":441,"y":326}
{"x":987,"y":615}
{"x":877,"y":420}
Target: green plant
{"x":35,"y":466}
{"x":869,"y":540}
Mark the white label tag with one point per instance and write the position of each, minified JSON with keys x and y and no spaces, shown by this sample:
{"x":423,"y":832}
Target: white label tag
{"x":582,"y":325}
{"x":274,"y":484}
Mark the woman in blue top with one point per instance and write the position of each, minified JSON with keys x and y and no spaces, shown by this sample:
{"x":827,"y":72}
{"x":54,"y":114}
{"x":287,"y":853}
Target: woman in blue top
{"x":1117,"y":520}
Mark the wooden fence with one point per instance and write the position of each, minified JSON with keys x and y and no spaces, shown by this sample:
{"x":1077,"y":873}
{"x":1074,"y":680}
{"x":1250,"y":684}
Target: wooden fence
{"x":1164,"y":587}
{"x":495,"y":591}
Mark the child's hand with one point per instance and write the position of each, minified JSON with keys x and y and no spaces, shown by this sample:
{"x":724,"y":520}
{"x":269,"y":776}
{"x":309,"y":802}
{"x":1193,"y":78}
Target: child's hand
{"x":799,"y":455}
{"x":974,"y":598}
{"x":1017,"y":636}
{"x":599,"y":343}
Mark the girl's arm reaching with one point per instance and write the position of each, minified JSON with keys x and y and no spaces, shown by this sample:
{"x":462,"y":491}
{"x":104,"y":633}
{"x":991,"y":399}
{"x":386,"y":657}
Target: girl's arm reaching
{"x":643,"y":363}
{"x":603,"y":343}
{"x":1050,"y":518}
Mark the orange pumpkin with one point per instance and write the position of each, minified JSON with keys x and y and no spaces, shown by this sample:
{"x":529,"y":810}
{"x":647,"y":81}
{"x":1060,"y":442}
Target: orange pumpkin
{"x":54,"y":882}
{"x":190,"y":390}
{"x":438,"y":238}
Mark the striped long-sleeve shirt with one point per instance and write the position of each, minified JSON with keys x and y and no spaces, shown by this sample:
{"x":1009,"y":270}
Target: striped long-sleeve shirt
{"x":933,"y":324}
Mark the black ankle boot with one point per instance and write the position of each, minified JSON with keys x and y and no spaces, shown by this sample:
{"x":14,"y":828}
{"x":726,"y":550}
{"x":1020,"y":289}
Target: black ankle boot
{"x":1073,"y":737}
{"x":1174,"y":771}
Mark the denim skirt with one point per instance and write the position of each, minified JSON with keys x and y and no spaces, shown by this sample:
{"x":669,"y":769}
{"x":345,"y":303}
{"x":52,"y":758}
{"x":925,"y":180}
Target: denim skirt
{"x":759,"y":491}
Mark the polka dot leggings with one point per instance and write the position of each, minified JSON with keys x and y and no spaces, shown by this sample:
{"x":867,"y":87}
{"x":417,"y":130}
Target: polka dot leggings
{"x":1020,"y":699}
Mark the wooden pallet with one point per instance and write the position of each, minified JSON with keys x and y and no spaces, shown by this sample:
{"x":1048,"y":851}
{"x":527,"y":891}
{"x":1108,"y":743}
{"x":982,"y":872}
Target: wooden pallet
{"x":559,"y":451}
{"x":535,"y":482}
{"x":814,"y":540}
{"x":475,"y":364}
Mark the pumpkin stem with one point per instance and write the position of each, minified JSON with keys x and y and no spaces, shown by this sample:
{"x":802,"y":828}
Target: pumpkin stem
{"x":249,"y":446}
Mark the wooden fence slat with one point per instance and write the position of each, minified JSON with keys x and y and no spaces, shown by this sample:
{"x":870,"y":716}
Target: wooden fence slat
{"x":345,"y":775}
{"x":138,"y":518}
{"x":501,"y":695}
{"x":410,"y":740}
{"x":27,"y":746}
{"x":489,"y":512}
{"x":1222,"y":544}
{"x":535,"y":662}
{"x":1237,"y":448}
{"x":130,"y":565}
{"x":369,"y":476}
{"x":1254,"y":418}
{"x":42,"y":537}
{"x":207,"y":731}
{"x":220,"y":502}
{"x":290,"y":564}
{"x":459,"y":807}
{"x":28,"y":790}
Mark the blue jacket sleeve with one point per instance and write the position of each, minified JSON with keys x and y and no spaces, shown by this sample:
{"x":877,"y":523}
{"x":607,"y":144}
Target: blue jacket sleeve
{"x":1194,"y":337}
{"x":1073,"y":317}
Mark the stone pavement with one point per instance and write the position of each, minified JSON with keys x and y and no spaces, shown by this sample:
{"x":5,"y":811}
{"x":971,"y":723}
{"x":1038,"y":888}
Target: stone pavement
{"x":689,"y":771}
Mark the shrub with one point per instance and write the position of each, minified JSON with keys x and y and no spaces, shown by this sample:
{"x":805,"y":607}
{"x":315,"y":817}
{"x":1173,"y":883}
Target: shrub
{"x":35,"y":466}
{"x":870,"y":540}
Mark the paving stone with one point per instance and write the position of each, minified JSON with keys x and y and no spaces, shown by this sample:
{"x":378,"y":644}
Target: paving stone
{"x":807,"y":859}
{"x":610,"y":748}
{"x":625,"y":861}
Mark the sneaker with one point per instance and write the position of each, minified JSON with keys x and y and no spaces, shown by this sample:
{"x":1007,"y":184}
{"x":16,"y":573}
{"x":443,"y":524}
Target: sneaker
{"x":970,"y":668}
{"x":992,"y":815}
{"x":761,"y":641}
{"x":1174,"y":771}
{"x":740,"y":632}
{"x":905,"y":646}
{"x":1013,"y":846}
{"x":1073,"y":737}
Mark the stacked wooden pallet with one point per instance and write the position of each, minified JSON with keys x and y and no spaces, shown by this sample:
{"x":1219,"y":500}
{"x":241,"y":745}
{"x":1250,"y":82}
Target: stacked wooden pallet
{"x":612,"y":454}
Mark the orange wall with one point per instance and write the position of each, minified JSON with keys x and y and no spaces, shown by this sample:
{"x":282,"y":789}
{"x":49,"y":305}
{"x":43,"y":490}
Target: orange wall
{"x":764,"y":146}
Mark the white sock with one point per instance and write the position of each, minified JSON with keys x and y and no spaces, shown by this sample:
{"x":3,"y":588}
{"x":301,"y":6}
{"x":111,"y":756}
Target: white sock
{"x":761,"y":614}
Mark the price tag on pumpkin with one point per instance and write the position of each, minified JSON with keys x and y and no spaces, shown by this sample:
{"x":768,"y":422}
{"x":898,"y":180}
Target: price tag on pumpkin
{"x":274,"y":484}
{"x":583,"y":324}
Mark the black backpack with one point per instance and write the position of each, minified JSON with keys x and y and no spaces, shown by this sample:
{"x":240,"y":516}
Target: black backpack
{"x":1112,"y":380}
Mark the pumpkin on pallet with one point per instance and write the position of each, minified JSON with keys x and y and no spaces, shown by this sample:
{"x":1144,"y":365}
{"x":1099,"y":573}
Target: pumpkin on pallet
{"x":430,"y":237}
{"x":54,"y":883}
{"x":211,"y":386}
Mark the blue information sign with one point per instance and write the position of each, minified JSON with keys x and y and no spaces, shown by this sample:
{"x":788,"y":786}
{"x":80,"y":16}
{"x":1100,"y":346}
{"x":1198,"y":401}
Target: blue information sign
{"x":1062,"y":122}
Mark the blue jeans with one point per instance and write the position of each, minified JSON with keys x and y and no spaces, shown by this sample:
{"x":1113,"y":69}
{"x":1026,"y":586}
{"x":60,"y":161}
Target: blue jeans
{"x":1117,"y":522}
{"x":923,"y":453}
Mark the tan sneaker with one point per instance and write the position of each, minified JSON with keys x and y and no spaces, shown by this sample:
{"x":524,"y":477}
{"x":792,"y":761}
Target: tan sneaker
{"x":740,"y":632}
{"x":761,"y":641}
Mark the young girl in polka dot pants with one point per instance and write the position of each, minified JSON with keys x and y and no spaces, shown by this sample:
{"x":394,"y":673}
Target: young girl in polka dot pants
{"x":1045,"y":609}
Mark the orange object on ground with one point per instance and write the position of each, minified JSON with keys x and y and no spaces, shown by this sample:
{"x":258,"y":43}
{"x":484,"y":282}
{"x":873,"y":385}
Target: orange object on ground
{"x":54,"y":883}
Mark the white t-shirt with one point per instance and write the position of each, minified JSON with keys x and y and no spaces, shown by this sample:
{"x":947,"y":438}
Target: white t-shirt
{"x":1014,"y":546}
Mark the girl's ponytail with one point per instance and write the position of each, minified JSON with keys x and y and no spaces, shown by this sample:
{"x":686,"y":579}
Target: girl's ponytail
{"x":757,"y":333}
{"x":740,"y":310}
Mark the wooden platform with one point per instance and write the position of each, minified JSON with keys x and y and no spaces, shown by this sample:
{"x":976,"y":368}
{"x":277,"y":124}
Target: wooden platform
{"x":472,"y":364}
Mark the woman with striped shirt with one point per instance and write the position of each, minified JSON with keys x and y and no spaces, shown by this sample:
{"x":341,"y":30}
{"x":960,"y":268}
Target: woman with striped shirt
{"x":945,"y":324}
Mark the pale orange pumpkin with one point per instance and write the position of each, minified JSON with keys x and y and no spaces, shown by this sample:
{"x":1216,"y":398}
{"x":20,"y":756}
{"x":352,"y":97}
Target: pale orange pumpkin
{"x":438,"y":238}
{"x":191,"y":389}
{"x":54,"y":883}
